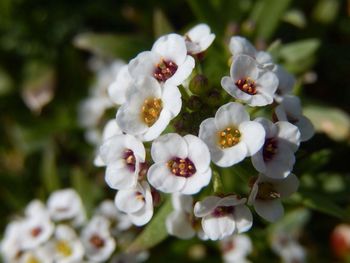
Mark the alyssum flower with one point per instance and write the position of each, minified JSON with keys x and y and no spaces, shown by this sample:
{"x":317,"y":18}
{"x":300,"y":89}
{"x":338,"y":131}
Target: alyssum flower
{"x":231,"y":136}
{"x":123,"y":155}
{"x":221,"y":217}
{"x":181,"y":164}
{"x":276,"y":158}
{"x":236,"y":248}
{"x":148,"y":109}
{"x":198,"y":39}
{"x":266,"y":195}
{"x":118,"y":89}
{"x":167,"y":61}
{"x":249,"y":83}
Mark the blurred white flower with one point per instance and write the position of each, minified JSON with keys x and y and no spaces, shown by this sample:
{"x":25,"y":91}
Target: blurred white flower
{"x":266,"y":195}
{"x":122,"y":84}
{"x":198,"y":39}
{"x":37,"y":255}
{"x":222,"y":217}
{"x":286,"y":82}
{"x":249,"y":83}
{"x":167,"y":61}
{"x":288,"y":248}
{"x":231,"y":136}
{"x":66,"y":246}
{"x":290,"y":110}
{"x":97,"y":240}
{"x":276,"y":158}
{"x":181,"y":164}
{"x":11,"y":244}
{"x":119,"y":221}
{"x":241,"y":46}
{"x":66,"y":205}
{"x":149,"y":108}
{"x":123,"y":155}
{"x":236,"y":248}
{"x":137,"y":203}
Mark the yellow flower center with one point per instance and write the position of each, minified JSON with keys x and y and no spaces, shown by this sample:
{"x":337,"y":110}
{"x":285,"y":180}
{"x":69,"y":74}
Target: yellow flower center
{"x":32,"y":259}
{"x":63,"y":248}
{"x":151,"y":110}
{"x":229,"y":137}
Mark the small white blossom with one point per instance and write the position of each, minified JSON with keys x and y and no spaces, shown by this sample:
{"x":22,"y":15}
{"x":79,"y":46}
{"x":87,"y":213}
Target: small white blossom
{"x":222,"y":217}
{"x":65,"y":205}
{"x":137,"y":203}
{"x":123,"y":155}
{"x":149,"y":108}
{"x":290,"y":110}
{"x":120,"y":220}
{"x":38,"y":255}
{"x":97,"y":240}
{"x":241,"y":46}
{"x":231,"y":136}
{"x":288,"y":248}
{"x":181,"y":164}
{"x":198,"y":39}
{"x":236,"y":248}
{"x":11,"y":244}
{"x":118,"y":89}
{"x":35,"y":208}
{"x":286,"y":82}
{"x":276,"y":158}
{"x":266,"y":195}
{"x":167,"y":62}
{"x":249,"y":83}
{"x":66,"y":246}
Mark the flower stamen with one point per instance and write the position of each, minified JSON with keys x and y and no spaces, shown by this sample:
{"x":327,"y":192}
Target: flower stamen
{"x":130,"y":159}
{"x":247,"y":85}
{"x":63,"y":248}
{"x":229,"y":137}
{"x":270,"y":149}
{"x":181,"y":167}
{"x":151,"y":110}
{"x":97,"y":241}
{"x":164,"y":70}
{"x":223,"y":211}
{"x":267,"y":192}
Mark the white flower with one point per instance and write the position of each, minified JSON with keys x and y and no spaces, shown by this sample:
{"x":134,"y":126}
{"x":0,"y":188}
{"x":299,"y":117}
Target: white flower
{"x":97,"y":240}
{"x":123,"y":155}
{"x":66,"y":246}
{"x":241,"y":46}
{"x":38,"y":255}
{"x":236,"y":248}
{"x":66,"y":205}
{"x":35,"y":208}
{"x":149,"y":109}
{"x":249,"y":83}
{"x":198,"y":39}
{"x":266,"y":195}
{"x":222,"y":217}
{"x":287,"y":247}
{"x":286,"y":82}
{"x":137,"y":203}
{"x":167,"y":62}
{"x":111,"y":128}
{"x":11,"y":244}
{"x":121,"y":220}
{"x":290,"y":110}
{"x":91,"y":110}
{"x":118,"y":89}
{"x":230,"y":136}
{"x":181,"y":164}
{"x":276,"y":158}
{"x":35,"y":230}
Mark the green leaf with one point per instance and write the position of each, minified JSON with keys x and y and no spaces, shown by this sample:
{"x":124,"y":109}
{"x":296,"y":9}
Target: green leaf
{"x":326,"y":11}
{"x":321,"y":202}
{"x":155,"y":232}
{"x":300,"y":50}
{"x":161,"y":24}
{"x":110,"y":45}
{"x":49,"y":174}
{"x":330,"y":120}
{"x":267,"y":14}
{"x":295,"y":17}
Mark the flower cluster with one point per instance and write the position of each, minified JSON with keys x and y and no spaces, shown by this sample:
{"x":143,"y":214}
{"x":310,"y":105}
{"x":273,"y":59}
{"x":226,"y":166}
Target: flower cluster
{"x":155,"y":146}
{"x":60,"y":232}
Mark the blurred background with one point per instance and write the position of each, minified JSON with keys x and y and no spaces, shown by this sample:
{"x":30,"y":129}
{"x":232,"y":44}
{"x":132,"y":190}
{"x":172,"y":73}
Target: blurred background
{"x":50,"y":55}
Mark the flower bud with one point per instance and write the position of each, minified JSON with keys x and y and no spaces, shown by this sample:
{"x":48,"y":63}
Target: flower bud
{"x":199,"y":84}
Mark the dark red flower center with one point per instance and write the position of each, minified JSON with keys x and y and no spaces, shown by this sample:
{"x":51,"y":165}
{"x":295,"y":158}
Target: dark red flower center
{"x":270,"y":149}
{"x":182,"y":167}
{"x":223,"y":211}
{"x":130,"y":159}
{"x":164,"y":70}
{"x":97,"y":241}
{"x":247,"y":85}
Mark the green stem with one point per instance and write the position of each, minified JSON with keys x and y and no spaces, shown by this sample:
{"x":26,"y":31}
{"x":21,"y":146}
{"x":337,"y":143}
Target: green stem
{"x":217,"y":183}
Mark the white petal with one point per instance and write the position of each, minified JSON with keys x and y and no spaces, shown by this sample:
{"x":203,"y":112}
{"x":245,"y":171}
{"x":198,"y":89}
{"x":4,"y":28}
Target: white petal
{"x":198,"y":32}
{"x":267,"y":83}
{"x":244,"y":66}
{"x":128,"y":200}
{"x":118,"y":176}
{"x":205,"y":207}
{"x":118,"y":89}
{"x":208,"y":133}
{"x":253,"y":136}
{"x":143,"y":64}
{"x":270,"y":210}
{"x":183,"y":72}
{"x":307,"y":130}
{"x":287,"y":186}
{"x":130,"y":122}
{"x":196,"y":182}
{"x":168,"y":146}
{"x":182,"y":202}
{"x":269,"y":127}
{"x":281,"y":164}
{"x":142,"y":216}
{"x":260,"y":99}
{"x":258,"y":161}
{"x":171,"y":47}
{"x":243,"y":218}
{"x":240,"y":45}
{"x":231,"y":155}
{"x":113,"y":149}
{"x":230,"y":115}
{"x":136,"y":146}
{"x":158,"y":127}
{"x":177,"y":224}
{"x":228,"y":84}
{"x":198,"y":152}
{"x":161,"y":178}
{"x":263,"y":57}
{"x":218,"y":227}
{"x":111,"y":128}
{"x":231,"y":200}
{"x":171,"y":99}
